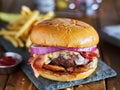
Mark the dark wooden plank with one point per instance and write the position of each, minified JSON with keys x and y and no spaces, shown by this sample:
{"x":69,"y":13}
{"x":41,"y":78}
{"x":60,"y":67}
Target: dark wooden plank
{"x":117,"y":4}
{"x":112,"y":57}
{"x":5,"y":5}
{"x":108,"y":14}
{"x":98,"y":84}
{"x":3,"y":80}
{"x":18,"y":81}
{"x":13,"y":6}
{"x":92,"y":86}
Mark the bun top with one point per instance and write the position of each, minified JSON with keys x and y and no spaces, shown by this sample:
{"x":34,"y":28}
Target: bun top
{"x":64,"y":32}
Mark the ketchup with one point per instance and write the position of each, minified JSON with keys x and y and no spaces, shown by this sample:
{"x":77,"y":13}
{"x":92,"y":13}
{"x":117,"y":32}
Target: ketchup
{"x":7,"y":61}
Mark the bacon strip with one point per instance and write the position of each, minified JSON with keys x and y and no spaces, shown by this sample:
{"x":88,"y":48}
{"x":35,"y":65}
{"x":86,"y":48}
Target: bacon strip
{"x":81,"y":69}
{"x":31,"y":62}
{"x":37,"y":63}
{"x":53,"y":67}
{"x":78,"y":69}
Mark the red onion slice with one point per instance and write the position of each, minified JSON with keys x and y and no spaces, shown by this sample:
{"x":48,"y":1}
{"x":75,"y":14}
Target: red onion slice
{"x":93,"y":48}
{"x":43,"y":50}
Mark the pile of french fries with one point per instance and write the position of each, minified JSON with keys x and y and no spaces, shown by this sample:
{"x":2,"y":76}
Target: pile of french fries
{"x":20,"y":25}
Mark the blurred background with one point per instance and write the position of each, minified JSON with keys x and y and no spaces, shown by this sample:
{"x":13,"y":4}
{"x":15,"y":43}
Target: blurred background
{"x":85,"y":6}
{"x":73,"y":8}
{"x":98,"y":13}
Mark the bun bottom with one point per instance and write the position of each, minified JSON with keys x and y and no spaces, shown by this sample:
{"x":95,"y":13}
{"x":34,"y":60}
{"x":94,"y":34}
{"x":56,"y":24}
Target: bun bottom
{"x":69,"y":76}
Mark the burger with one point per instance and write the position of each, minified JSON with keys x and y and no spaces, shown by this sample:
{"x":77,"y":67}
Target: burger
{"x":63,"y":49}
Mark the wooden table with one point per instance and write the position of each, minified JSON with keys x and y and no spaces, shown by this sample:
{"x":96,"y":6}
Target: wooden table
{"x":108,"y":14}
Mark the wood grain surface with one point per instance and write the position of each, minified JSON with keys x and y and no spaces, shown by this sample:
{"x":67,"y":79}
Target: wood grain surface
{"x":108,"y":14}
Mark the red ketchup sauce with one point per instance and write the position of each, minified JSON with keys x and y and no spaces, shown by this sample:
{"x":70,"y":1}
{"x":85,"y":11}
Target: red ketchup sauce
{"x":7,"y":61}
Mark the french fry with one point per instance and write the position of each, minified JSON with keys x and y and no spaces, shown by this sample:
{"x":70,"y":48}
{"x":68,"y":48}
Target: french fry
{"x":28,"y":42}
{"x":12,"y":40}
{"x":19,"y":29}
{"x":45,"y":17}
{"x":26,"y":11}
{"x":6,"y":32}
{"x":48,"y":15}
{"x":17,"y":24}
{"x":26,"y":26}
{"x":20,"y":43}
{"x":9,"y":17}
